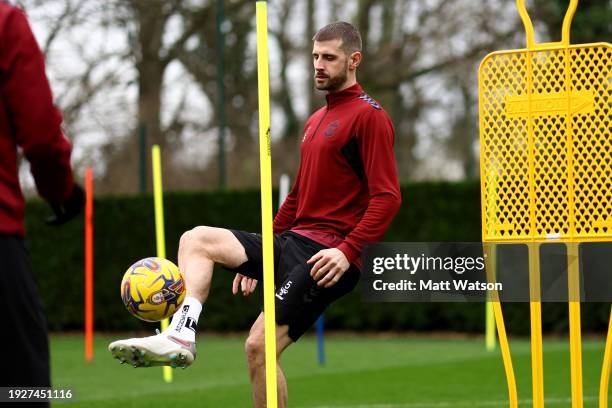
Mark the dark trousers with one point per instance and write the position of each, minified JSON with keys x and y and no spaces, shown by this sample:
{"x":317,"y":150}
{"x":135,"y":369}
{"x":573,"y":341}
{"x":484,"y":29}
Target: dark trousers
{"x":25,"y":355}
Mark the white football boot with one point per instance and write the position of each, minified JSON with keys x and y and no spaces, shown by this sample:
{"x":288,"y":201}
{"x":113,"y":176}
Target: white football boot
{"x":154,"y":351}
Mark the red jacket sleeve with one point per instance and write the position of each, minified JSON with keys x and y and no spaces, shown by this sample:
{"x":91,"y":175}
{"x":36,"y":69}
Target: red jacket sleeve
{"x":375,"y":140}
{"x":35,"y":121}
{"x":286,"y":213}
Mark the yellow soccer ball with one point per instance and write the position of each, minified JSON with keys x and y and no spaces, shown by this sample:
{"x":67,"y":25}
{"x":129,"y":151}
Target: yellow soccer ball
{"x":153,"y":289}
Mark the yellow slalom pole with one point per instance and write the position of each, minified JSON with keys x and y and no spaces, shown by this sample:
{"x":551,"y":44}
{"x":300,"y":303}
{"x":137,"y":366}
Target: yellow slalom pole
{"x":265,"y":162}
{"x":159,"y":227}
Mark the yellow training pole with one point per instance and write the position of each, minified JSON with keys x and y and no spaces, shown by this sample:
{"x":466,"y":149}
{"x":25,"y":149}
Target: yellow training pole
{"x":159,"y":227}
{"x":265,"y":162}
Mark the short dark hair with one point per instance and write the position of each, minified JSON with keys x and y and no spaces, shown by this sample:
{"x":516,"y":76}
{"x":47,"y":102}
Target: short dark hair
{"x":351,"y":39}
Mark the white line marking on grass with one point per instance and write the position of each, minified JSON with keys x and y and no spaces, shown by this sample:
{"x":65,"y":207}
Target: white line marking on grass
{"x":444,"y":404}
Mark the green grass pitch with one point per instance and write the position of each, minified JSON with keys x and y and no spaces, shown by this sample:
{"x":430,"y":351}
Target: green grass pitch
{"x":361,"y":372}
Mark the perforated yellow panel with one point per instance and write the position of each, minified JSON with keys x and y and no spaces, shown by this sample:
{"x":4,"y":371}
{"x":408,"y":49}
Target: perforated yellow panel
{"x":546,"y":147}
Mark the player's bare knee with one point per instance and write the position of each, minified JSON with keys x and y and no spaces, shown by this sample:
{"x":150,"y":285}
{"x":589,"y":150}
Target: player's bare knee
{"x":255,"y":350}
{"x":200,"y":239}
{"x":216,"y":244}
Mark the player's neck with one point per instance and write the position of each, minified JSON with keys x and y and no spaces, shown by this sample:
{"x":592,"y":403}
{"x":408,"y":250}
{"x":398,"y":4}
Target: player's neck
{"x":349,"y":82}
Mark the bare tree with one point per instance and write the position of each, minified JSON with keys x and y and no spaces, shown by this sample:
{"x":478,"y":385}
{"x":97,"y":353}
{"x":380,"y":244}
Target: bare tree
{"x":420,"y":63}
{"x":417,"y":44}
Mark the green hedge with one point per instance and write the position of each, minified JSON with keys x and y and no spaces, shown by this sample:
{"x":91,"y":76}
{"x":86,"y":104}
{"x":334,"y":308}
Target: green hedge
{"x":125,"y":232}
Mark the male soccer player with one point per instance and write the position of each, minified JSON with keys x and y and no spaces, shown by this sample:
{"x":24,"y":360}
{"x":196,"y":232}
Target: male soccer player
{"x":346,"y":194}
{"x":29,"y":120}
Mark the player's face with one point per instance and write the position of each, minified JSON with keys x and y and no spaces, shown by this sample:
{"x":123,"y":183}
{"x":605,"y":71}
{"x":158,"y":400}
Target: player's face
{"x":331,"y":65}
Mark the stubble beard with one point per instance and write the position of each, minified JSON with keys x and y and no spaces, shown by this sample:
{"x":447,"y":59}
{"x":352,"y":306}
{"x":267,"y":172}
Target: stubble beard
{"x":334,"y":83}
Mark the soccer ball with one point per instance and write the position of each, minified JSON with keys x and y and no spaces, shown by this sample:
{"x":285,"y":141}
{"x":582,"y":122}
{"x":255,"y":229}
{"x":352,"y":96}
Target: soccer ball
{"x":152,"y":289}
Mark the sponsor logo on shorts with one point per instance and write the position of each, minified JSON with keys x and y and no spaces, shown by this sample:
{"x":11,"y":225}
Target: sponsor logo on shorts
{"x":284,"y":290}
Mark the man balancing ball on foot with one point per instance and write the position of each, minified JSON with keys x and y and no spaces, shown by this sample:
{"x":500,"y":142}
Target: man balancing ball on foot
{"x":346,"y":194}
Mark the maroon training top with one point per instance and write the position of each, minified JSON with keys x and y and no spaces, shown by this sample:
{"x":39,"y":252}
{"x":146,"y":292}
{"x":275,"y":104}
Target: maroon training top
{"x":28,"y":120}
{"x":346,"y":192}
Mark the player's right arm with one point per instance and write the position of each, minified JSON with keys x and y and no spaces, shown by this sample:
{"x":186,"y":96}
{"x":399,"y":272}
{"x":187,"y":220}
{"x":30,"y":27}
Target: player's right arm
{"x":35,"y":121}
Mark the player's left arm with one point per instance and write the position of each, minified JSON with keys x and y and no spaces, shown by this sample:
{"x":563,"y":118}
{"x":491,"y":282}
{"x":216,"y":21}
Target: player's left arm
{"x":35,"y":121}
{"x":375,"y":139}
{"x":244,"y":284}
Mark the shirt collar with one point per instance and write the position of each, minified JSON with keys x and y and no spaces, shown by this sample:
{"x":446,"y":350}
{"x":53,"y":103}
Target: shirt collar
{"x":336,"y":98}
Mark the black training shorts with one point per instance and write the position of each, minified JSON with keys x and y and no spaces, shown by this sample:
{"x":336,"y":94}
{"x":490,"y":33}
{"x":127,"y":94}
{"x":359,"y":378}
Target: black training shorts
{"x":299,"y":301}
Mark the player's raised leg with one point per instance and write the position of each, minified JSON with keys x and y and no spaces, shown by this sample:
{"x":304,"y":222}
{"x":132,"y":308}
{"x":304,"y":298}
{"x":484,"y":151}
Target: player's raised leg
{"x":255,"y":348}
{"x":199,"y":249}
{"x":202,"y":247}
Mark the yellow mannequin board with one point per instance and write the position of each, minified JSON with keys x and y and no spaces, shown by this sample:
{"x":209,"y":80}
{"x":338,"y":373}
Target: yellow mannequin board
{"x":545,"y":114}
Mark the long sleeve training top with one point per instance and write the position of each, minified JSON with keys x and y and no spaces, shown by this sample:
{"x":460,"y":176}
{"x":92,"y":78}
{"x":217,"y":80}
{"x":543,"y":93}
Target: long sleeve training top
{"x":346,"y":191}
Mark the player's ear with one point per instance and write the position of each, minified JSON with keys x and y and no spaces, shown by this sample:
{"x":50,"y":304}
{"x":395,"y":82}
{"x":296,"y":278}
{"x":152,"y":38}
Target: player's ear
{"x":355,"y":60}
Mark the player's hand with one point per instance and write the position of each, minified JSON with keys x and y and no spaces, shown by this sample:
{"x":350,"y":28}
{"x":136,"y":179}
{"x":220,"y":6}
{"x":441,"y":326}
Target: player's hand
{"x":243,"y":283}
{"x":329,"y":266}
{"x":69,"y":209}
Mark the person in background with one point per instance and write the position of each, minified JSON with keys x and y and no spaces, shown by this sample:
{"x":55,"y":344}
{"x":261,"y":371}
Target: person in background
{"x":28,"y":121}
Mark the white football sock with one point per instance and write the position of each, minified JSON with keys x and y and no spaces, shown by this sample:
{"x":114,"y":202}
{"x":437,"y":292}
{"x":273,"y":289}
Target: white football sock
{"x":185,"y":320}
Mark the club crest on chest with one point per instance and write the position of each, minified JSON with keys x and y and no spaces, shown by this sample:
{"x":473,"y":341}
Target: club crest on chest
{"x":331,"y":128}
